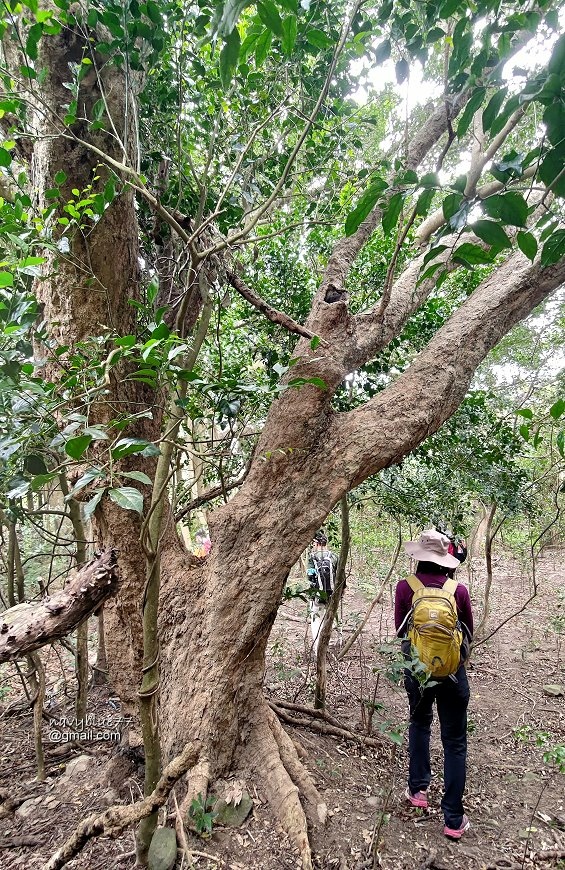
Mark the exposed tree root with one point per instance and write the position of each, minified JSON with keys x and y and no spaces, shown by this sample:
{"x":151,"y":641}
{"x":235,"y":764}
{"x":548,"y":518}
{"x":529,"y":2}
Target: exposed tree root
{"x":317,"y":723}
{"x":112,"y":822}
{"x":316,"y":809}
{"x":281,"y":791}
{"x":197,"y":785}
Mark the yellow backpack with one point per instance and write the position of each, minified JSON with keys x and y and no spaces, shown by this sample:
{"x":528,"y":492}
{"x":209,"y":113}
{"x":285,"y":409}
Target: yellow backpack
{"x":434,"y":628}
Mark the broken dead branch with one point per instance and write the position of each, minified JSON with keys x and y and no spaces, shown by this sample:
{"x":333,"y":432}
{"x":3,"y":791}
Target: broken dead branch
{"x":27,"y":627}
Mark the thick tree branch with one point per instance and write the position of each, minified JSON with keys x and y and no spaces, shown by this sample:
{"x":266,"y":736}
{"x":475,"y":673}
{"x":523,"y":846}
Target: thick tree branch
{"x":272,"y":314}
{"x":347,"y":249}
{"x":26,"y":627}
{"x":394,"y":422}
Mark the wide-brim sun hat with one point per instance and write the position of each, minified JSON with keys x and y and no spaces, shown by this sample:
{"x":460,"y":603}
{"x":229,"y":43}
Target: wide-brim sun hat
{"x":432,"y":546}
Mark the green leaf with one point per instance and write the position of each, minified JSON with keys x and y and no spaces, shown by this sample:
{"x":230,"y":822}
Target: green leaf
{"x":228,"y":58}
{"x":433,"y":253}
{"x":527,"y":413}
{"x":524,"y":432}
{"x":365,"y":205}
{"x":35,"y":464}
{"x":318,"y":38}
{"x":6,"y":279}
{"x":493,"y":107}
{"x":5,"y":158}
{"x":137,"y":475}
{"x":315,"y":341}
{"x":33,"y":37}
{"x":402,"y":70}
{"x":554,"y":120}
{"x":469,"y":112}
{"x":551,"y":168}
{"x":430,"y":179}
{"x":90,"y":474}
{"x":60,"y":177}
{"x":128,"y":498}
{"x":269,"y":15}
{"x":90,"y":506}
{"x":17,"y":487}
{"x":382,"y":51}
{"x":451,"y":205}
{"x":491,"y":233}
{"x":229,"y":15}
{"x":424,"y":202}
{"x":510,"y":208}
{"x":557,"y":60}
{"x":527,"y":244}
{"x":262,"y":47}
{"x":161,"y":331}
{"x":75,"y":447}
{"x":153,"y":12}
{"x":125,"y":341}
{"x":97,"y":433}
{"x":392,"y":213}
{"x":40,"y":480}
{"x":127,"y":446}
{"x":557,"y":409}
{"x":290,"y":29}
{"x":408,"y":176}
{"x":434,"y":34}
{"x":472,"y":255}
{"x":553,"y":249}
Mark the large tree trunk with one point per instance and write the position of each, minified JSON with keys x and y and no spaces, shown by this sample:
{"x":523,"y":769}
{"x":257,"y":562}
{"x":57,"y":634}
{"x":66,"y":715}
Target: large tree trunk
{"x":215,"y":620}
{"x":216,"y":613}
{"x":88,"y":290}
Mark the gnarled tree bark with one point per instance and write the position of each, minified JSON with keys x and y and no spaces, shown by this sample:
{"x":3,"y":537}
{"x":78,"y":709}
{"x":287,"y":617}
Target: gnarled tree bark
{"x":27,"y":627}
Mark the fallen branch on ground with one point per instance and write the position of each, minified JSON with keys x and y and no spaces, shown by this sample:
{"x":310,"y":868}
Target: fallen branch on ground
{"x":113,"y":821}
{"x":26,"y":627}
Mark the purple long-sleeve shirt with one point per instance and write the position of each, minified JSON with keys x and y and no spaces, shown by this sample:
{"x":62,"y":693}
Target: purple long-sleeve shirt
{"x":403,"y":599}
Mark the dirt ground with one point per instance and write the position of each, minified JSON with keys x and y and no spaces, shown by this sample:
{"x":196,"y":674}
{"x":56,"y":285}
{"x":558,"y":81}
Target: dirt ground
{"x":515,"y":799}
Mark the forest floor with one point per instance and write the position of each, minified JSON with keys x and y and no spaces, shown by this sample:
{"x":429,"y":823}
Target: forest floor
{"x":515,"y":799}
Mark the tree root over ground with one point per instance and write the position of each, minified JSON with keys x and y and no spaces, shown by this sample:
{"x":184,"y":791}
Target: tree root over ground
{"x":317,"y":720}
{"x":272,"y":754}
{"x":284,"y":779}
{"x":112,"y":822}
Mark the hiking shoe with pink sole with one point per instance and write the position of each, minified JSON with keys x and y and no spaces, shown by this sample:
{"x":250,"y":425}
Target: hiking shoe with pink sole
{"x":457,"y":833}
{"x":419,"y":799}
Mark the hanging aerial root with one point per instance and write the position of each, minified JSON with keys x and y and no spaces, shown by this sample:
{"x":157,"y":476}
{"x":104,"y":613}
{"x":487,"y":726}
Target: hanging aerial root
{"x":316,"y":809}
{"x":282,"y":793}
{"x":112,"y":822}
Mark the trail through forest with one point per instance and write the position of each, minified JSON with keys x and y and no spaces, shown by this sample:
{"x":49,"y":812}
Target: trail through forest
{"x":515,"y":799}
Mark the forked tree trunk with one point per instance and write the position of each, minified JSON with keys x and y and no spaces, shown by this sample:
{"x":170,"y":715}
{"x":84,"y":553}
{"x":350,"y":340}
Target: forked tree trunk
{"x":216,"y":613}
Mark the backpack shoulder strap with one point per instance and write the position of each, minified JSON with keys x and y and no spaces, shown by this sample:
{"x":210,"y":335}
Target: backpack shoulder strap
{"x":414,"y":583}
{"x":450,"y":585}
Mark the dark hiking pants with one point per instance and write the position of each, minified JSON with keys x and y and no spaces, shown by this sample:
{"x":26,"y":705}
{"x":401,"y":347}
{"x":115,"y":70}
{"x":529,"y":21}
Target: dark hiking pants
{"x":452,"y":699}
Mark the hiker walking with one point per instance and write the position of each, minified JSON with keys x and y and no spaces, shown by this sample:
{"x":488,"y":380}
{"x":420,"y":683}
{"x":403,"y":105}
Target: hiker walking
{"x":322,"y":566}
{"x":432,"y":612}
